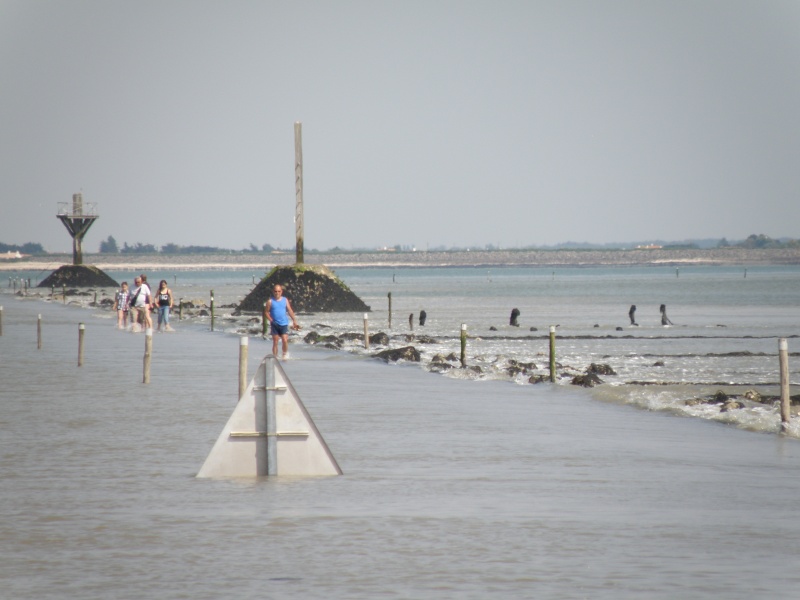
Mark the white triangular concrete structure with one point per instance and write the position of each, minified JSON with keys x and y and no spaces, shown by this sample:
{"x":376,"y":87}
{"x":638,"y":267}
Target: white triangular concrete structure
{"x":269,"y":433}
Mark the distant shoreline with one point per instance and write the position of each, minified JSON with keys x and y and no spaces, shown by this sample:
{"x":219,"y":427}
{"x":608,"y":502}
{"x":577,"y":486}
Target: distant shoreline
{"x":481,"y":258}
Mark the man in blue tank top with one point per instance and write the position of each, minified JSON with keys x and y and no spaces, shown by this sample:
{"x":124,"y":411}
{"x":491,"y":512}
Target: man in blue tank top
{"x":277,"y":311}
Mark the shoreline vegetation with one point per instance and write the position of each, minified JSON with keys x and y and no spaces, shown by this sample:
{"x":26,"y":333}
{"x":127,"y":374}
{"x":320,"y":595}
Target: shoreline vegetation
{"x":728,"y":256}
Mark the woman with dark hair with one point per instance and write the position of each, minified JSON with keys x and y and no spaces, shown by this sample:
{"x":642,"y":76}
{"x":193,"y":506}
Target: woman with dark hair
{"x":163,"y":301}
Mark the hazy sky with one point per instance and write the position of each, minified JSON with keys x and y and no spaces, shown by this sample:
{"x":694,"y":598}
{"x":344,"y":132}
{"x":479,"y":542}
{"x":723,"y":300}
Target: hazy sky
{"x":425,"y":123}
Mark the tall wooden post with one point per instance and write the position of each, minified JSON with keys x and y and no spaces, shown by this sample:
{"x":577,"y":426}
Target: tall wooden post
{"x":552,"y":353}
{"x":148,"y":354}
{"x":298,"y":184}
{"x":463,"y":345}
{"x":243,"y":342}
{"x":81,"y":332}
{"x":786,"y":400}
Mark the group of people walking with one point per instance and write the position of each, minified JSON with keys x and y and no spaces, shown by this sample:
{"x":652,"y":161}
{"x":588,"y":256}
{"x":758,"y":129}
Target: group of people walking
{"x":134,"y":306}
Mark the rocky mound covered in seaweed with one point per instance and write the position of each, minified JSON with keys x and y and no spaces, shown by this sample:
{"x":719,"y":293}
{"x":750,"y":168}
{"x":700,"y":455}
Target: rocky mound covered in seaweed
{"x":310,"y":288}
{"x":78,"y":276}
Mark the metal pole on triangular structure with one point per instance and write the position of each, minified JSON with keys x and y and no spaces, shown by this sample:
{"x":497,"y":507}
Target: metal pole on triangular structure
{"x":270,"y":432}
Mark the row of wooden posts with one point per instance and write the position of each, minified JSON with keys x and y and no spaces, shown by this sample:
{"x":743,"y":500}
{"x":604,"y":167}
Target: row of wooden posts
{"x":783,"y":356}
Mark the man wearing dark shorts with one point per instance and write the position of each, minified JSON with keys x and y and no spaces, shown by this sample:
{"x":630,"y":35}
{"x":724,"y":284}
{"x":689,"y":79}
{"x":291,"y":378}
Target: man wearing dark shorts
{"x":277,"y":311}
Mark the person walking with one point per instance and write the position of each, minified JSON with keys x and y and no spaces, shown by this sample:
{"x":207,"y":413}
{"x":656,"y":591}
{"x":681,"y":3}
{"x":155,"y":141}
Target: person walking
{"x":140,"y":304}
{"x":163,"y":300}
{"x":277,"y":311}
{"x":121,"y":304}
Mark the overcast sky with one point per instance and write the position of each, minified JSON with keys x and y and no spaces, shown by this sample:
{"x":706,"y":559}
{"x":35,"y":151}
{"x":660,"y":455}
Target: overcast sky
{"x":425,"y":123}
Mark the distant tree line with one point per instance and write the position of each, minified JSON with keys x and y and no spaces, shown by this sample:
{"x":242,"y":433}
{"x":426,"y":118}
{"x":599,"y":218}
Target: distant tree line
{"x":28,"y":248}
{"x":110,"y":246}
{"x":760,"y":241}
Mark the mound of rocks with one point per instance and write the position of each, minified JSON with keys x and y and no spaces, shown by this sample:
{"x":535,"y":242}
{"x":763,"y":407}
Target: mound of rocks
{"x":78,"y":276}
{"x":310,"y":288}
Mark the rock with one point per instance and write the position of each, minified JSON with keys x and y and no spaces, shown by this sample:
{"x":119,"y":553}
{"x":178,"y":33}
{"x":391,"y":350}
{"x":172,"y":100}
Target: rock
{"x":492,"y":328}
{"x":514,"y":316}
{"x":752,"y":395}
{"x":619,"y":329}
{"x":424,"y":339}
{"x":658,"y":363}
{"x":379,"y":339}
{"x":731,"y":405}
{"x":408,"y":353}
{"x":310,"y":288}
{"x":600,"y":369}
{"x":538,"y":379}
{"x":422,"y":317}
{"x":533,"y":329}
{"x":452,"y":357}
{"x":587,"y":380}
{"x":720,"y":397}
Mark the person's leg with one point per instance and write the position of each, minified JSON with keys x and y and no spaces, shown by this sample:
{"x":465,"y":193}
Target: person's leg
{"x":285,"y":340}
{"x":275,"y":338}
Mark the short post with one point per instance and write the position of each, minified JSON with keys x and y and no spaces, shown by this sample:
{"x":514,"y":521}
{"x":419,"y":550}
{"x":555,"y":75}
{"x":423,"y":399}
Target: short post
{"x":264,"y":321}
{"x":81,"y":331}
{"x":786,"y":401}
{"x":1,"y":321}
{"x":64,"y":293}
{"x":39,"y":333}
{"x":411,"y":321}
{"x":52,"y":292}
{"x":95,"y":299}
{"x":212,"y":310}
{"x":390,"y":310}
{"x":180,"y":309}
{"x":463,"y":345}
{"x":243,"y":348}
{"x":148,"y":353}
{"x":366,"y":331}
{"x":552,"y":353}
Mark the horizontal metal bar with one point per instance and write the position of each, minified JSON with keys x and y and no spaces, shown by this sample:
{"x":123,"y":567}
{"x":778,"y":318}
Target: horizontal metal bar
{"x":261,"y":388}
{"x":265,"y":434}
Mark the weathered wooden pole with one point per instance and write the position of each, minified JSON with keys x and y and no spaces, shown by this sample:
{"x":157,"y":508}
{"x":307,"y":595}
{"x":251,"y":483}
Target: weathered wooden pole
{"x":180,"y":309}
{"x":366,"y":331}
{"x":212,"y":310}
{"x":411,"y":321}
{"x":390,"y":310}
{"x":243,"y":349}
{"x":298,"y":184}
{"x":552,"y":353}
{"x":148,"y":353}
{"x":39,"y":333}
{"x":1,"y":321}
{"x":264,"y":321}
{"x":64,"y":293}
{"x":81,"y":331}
{"x":463,"y":345}
{"x":786,"y":400}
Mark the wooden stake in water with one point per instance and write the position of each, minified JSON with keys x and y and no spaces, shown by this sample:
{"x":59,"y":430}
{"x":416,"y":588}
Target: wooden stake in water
{"x":1,"y":321}
{"x":298,"y":184}
{"x":148,"y":353}
{"x":552,"y":353}
{"x":39,"y":333}
{"x":212,"y":310}
{"x":366,"y":331}
{"x":243,"y":348}
{"x":81,"y":331}
{"x":180,"y":309}
{"x":463,"y":345}
{"x":786,"y":400}
{"x":411,"y":321}
{"x":390,"y":310}
{"x":64,"y":293}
